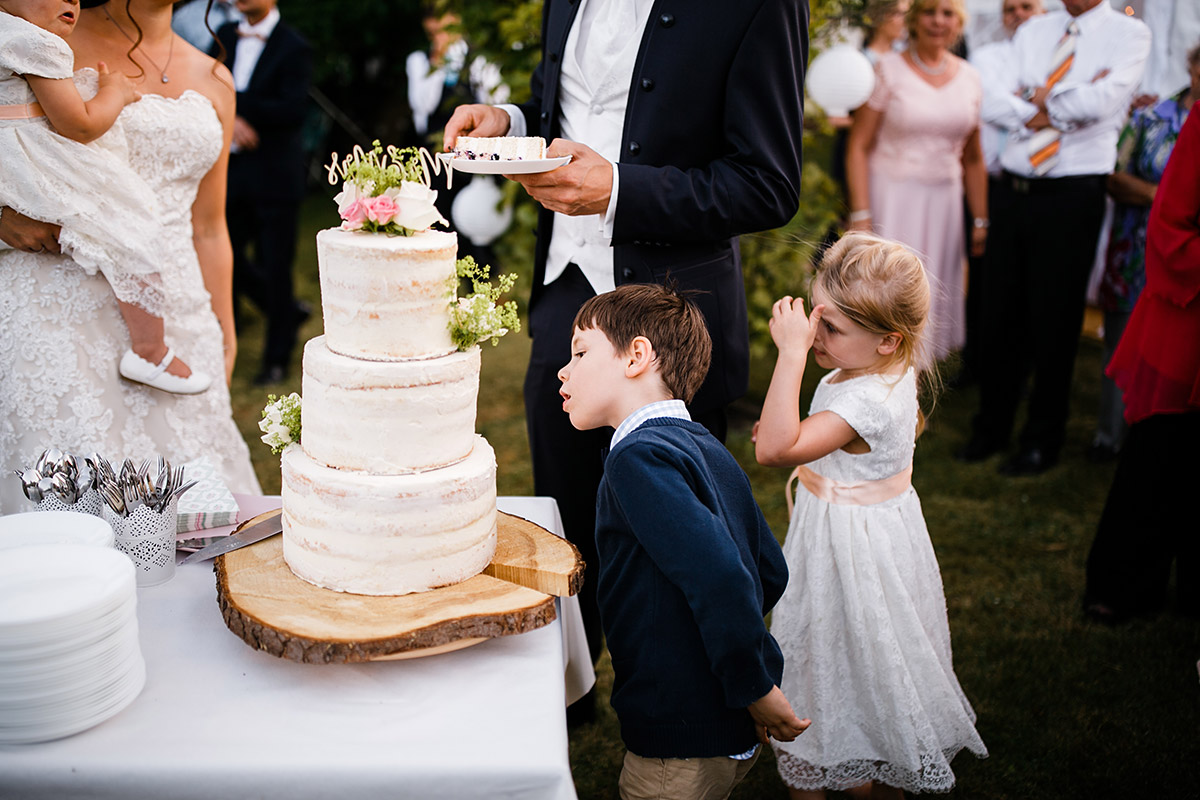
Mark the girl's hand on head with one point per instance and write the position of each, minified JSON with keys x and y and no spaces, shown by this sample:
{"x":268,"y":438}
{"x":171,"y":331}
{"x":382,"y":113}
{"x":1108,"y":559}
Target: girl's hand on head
{"x":790,"y":328}
{"x":119,"y":81}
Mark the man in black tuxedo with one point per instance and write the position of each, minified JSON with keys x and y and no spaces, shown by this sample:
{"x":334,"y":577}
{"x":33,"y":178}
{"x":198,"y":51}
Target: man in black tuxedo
{"x":683,"y":119}
{"x":272,"y":69}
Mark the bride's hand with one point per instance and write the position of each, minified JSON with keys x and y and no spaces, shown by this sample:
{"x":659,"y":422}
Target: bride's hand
{"x":22,"y":233}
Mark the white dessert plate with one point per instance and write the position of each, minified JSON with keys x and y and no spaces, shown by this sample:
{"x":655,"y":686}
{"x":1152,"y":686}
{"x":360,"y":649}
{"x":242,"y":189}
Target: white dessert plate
{"x":484,"y":167}
{"x":54,"y":527}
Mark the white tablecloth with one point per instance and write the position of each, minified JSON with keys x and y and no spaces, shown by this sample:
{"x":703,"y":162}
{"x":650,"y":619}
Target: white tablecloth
{"x":219,"y":719}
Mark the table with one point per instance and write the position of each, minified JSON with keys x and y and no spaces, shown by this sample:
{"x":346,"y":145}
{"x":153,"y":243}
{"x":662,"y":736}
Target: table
{"x":219,"y":719}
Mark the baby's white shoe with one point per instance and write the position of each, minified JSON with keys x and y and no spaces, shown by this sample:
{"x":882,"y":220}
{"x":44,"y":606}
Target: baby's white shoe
{"x":135,"y":368}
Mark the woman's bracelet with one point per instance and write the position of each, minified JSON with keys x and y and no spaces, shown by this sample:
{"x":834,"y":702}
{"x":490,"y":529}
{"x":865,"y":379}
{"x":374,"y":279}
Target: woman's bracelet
{"x":861,"y":215}
{"x":982,"y":222}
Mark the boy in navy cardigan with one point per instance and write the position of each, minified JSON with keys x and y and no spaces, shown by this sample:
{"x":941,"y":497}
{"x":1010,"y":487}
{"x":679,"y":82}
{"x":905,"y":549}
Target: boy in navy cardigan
{"x":688,"y":567}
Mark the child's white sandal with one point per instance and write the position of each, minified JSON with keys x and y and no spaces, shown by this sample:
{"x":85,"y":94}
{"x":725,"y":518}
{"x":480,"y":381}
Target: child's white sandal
{"x":135,"y":368}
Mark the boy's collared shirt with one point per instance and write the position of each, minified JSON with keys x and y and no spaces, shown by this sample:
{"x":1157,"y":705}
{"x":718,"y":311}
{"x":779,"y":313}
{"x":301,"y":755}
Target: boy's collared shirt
{"x":662,"y":408}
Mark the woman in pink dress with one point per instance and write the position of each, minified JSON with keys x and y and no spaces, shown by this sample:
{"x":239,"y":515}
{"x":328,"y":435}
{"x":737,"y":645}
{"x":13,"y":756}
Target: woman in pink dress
{"x":914,"y":149}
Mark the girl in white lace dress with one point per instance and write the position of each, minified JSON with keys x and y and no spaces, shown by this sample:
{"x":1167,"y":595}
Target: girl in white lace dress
{"x":862,"y":624}
{"x":109,"y":216}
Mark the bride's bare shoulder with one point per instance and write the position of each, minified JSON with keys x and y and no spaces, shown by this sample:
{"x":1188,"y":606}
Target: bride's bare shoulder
{"x":206,"y":75}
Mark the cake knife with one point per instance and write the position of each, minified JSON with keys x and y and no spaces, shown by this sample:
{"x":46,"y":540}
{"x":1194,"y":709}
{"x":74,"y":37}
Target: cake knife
{"x":264,"y":526}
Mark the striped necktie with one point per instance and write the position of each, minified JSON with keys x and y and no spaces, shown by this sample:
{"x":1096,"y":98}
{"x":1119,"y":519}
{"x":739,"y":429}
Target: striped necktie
{"x":1043,"y":145}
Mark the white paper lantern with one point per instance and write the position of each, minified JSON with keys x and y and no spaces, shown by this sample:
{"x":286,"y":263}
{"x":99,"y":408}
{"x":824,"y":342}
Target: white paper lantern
{"x":478,"y":214}
{"x":840,"y":80}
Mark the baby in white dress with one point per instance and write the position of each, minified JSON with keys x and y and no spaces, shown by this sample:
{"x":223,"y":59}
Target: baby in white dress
{"x":58,"y":166}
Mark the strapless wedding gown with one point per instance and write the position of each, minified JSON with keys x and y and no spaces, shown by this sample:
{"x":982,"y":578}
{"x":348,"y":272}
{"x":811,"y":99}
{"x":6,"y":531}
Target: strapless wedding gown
{"x":61,"y":334}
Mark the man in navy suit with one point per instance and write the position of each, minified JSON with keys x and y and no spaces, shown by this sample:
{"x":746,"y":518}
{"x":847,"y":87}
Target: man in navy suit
{"x":683,"y":120}
{"x":272,"y":69}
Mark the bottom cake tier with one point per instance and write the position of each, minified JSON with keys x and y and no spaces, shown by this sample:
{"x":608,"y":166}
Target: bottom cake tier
{"x":389,"y":534}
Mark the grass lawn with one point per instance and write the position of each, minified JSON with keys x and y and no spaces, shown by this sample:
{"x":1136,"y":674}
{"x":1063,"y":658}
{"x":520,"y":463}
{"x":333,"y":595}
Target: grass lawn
{"x":1068,"y":709}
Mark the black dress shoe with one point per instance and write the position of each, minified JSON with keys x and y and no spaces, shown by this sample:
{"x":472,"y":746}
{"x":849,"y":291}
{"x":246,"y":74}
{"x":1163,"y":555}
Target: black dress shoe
{"x":275,"y":373}
{"x":977,"y":449}
{"x":1030,"y":461}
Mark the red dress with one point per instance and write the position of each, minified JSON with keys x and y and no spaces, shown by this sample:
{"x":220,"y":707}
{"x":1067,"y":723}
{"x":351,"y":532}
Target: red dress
{"x":1157,"y":363}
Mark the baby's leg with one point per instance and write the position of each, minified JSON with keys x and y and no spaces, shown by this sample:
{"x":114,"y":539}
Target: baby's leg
{"x":146,"y":338}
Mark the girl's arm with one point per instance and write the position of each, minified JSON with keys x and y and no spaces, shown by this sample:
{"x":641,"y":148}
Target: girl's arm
{"x":75,"y":118}
{"x":783,"y":439}
{"x":210,"y":234}
{"x":975,"y":186}
{"x":858,"y":145}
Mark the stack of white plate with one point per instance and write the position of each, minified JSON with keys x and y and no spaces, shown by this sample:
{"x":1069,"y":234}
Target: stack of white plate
{"x":69,"y":654}
{"x":54,"y":527}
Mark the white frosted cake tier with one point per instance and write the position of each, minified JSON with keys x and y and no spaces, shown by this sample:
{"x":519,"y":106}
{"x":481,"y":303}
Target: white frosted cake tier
{"x":388,"y":418}
{"x":389,"y":535}
{"x":386,"y":298}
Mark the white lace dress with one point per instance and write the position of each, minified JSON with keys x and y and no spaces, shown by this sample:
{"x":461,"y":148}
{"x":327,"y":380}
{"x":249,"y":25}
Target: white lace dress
{"x":60,"y":330}
{"x":862,"y":625}
{"x":110,"y":217}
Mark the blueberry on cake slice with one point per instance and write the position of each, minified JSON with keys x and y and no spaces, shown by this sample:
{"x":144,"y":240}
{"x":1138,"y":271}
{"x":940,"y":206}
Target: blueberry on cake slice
{"x":500,"y":148}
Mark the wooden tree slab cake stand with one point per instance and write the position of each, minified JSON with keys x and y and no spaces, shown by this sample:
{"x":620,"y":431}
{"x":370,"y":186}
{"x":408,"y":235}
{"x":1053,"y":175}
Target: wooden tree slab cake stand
{"x":273,"y":610}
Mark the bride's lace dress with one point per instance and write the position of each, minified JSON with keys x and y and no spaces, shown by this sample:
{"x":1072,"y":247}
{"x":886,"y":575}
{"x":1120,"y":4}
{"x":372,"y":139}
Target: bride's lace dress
{"x":61,"y":334}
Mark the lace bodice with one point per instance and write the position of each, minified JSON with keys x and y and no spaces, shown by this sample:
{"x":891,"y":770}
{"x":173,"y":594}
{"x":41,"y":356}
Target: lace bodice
{"x":924,"y":127}
{"x":883,"y":410}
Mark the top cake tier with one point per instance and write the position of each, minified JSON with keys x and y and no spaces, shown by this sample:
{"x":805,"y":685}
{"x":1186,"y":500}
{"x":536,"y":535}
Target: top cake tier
{"x":386,"y":298}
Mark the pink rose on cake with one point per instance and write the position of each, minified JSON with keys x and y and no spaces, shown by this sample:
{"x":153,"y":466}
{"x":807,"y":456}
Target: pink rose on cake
{"x":385,"y":192}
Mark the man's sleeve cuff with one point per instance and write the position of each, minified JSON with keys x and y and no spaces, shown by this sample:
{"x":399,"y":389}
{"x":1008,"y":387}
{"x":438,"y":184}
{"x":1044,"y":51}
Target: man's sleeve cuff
{"x":516,"y":120}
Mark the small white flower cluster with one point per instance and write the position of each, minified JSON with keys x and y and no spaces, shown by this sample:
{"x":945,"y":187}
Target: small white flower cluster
{"x":280,"y":422}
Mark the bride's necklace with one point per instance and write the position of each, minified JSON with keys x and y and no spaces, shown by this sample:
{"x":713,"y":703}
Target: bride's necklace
{"x":936,"y":69}
{"x":162,"y":71}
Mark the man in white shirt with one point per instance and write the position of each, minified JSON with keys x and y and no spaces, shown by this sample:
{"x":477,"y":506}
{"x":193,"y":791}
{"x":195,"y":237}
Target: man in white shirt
{"x":1062,"y":102}
{"x":683,"y":120}
{"x":272,"y":70}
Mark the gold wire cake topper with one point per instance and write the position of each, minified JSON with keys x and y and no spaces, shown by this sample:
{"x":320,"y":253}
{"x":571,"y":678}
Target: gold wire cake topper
{"x":386,"y":190}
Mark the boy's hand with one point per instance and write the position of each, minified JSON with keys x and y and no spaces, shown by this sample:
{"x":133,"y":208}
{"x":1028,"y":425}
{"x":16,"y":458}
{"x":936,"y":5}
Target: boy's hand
{"x":789,"y":326}
{"x":118,"y":81}
{"x":775,"y":719}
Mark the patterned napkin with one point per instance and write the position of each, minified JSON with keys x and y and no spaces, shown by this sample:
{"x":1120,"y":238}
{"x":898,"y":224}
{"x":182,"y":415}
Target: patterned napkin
{"x":208,"y":504}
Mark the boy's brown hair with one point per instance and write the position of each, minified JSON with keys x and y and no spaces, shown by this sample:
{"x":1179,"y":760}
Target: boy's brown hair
{"x":672,"y":323}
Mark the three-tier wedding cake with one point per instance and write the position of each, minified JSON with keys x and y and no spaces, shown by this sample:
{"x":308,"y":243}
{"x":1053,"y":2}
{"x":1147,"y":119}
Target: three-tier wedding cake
{"x":390,"y":490}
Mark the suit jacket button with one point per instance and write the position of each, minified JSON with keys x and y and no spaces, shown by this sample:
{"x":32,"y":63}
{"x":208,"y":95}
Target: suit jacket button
{"x":545,"y":116}
{"x":634,"y":148}
{"x":666,"y":20}
{"x":553,"y":57}
{"x":627,"y":274}
{"x":647,"y":85}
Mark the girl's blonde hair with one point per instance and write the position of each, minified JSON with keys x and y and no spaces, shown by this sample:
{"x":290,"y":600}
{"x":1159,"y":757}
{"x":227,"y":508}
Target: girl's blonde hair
{"x":881,"y":286}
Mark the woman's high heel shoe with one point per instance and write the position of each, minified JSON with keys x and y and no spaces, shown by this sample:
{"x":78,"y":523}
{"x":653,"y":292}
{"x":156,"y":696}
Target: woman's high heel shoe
{"x":135,"y":368}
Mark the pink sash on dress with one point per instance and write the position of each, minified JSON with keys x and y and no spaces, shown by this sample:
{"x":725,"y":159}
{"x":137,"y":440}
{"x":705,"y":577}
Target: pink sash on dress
{"x":22,"y":111}
{"x":860,"y":493}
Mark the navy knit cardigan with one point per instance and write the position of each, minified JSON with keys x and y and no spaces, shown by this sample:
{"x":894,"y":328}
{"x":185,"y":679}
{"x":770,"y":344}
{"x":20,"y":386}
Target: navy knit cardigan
{"x":688,"y":569}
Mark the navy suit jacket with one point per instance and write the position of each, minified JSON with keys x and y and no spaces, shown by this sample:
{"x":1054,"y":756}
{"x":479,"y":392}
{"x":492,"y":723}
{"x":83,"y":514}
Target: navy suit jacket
{"x":274,"y":103}
{"x":710,"y":150}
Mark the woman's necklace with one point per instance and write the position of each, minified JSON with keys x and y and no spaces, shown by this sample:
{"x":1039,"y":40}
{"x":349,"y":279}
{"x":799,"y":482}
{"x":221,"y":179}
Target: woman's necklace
{"x":936,"y":69}
{"x":162,"y":71}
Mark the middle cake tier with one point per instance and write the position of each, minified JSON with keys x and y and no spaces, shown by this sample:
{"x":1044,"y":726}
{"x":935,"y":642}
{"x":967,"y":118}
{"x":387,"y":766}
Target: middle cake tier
{"x":388,"y":418}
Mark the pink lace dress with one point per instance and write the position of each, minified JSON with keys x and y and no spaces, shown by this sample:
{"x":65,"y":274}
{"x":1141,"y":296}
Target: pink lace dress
{"x":916,"y":188}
